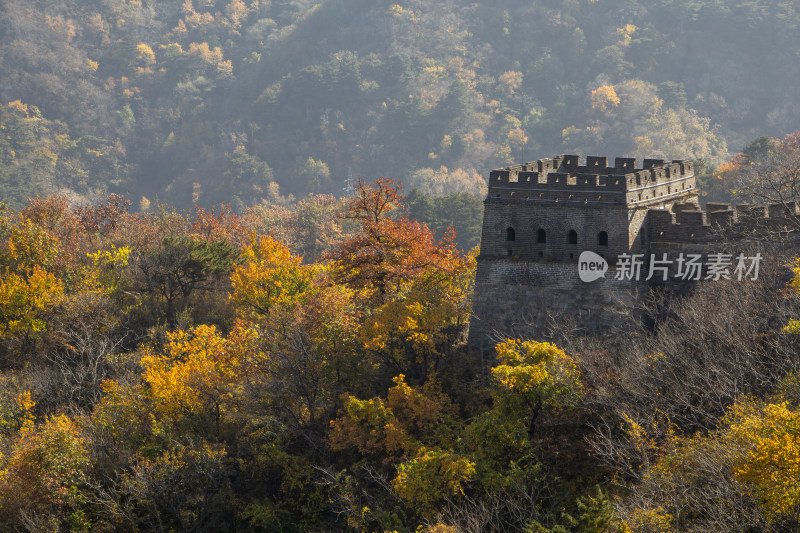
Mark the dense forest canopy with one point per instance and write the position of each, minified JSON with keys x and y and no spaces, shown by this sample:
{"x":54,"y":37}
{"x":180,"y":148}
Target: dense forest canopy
{"x":244,"y":101}
{"x":210,"y":322}
{"x":176,"y":371}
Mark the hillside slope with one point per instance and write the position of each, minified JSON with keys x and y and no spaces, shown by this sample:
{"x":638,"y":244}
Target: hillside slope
{"x":207,"y":101}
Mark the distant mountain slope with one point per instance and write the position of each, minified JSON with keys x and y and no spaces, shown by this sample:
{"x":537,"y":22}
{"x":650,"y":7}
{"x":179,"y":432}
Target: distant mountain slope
{"x":211,"y":101}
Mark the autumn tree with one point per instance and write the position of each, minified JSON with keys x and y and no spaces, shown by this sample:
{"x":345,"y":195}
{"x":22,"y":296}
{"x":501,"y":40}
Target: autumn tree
{"x":45,"y":477}
{"x":269,"y":275}
{"x":694,"y":422}
{"x":414,"y":430}
{"x":388,"y":252}
{"x":431,"y":477}
{"x":311,"y":356}
{"x":308,"y":336}
{"x":103,"y":217}
{"x":416,"y":287}
{"x":29,"y":245}
{"x":409,"y":419}
{"x":535,"y":375}
{"x":219,"y":223}
{"x":604,"y":98}
{"x":25,"y":300}
{"x":739,"y":476}
{"x":416,"y":330}
{"x":444,"y":181}
{"x":770,"y":465}
{"x":200,"y":373}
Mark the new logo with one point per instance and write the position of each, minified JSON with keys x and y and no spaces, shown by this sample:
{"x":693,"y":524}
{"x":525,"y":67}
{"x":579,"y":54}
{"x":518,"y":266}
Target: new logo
{"x":591,"y":266}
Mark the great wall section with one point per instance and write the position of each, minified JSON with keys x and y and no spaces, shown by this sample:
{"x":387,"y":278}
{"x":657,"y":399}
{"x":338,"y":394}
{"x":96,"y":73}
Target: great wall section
{"x":540,"y":216}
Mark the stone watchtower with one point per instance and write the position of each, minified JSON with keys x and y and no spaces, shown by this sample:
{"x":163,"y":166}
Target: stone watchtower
{"x":540,"y":216}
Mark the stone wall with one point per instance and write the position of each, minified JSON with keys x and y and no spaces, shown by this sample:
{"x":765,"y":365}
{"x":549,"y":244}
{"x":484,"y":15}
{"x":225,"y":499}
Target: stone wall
{"x":526,"y":218}
{"x":704,"y":226}
{"x":520,"y":298}
{"x":523,"y":282}
{"x":564,"y":179}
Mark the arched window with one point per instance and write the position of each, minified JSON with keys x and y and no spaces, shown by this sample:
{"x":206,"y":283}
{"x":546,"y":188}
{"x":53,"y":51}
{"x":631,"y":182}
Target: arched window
{"x":511,"y":235}
{"x":541,"y":236}
{"x":602,"y":238}
{"x":572,"y":237}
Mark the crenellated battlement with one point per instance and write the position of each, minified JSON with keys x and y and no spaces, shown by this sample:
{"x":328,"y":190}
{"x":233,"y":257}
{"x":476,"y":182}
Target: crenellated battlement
{"x":564,"y":178}
{"x":541,"y":217}
{"x":693,"y":226}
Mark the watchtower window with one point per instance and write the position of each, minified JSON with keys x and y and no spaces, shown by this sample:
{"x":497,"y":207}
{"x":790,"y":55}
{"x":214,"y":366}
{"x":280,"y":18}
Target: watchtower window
{"x":541,"y":236}
{"x":572,"y":237}
{"x":602,"y":238}
{"x":511,"y":235}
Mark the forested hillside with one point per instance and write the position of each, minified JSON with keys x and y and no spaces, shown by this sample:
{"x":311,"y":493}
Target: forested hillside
{"x":231,"y":100}
{"x":166,"y":371}
{"x":210,"y":322}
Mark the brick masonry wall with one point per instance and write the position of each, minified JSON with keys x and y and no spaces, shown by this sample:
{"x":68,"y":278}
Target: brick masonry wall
{"x":527,"y":217}
{"x":522,"y":283}
{"x":519,"y":298}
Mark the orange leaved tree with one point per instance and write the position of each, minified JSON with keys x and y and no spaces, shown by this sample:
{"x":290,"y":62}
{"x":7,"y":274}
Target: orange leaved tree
{"x":415,"y":289}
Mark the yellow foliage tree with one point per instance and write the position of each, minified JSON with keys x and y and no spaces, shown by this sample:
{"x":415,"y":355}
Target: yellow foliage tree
{"x":604,"y":98}
{"x":752,"y":459}
{"x":212,"y":56}
{"x":145,"y":52}
{"x":369,"y":426}
{"x":771,"y":466}
{"x":423,"y":321}
{"x":105,"y":273}
{"x":19,"y":107}
{"x":30,"y":245}
{"x":24,"y":301}
{"x":401,"y":424}
{"x":123,"y":415}
{"x":425,"y":413}
{"x":510,"y":81}
{"x":625,"y":34}
{"x":332,"y":321}
{"x":432,"y":476}
{"x":201,"y":372}
{"x":446,"y":181}
{"x":419,"y":409}
{"x":648,"y":520}
{"x":534,"y":375}
{"x":270,"y":276}
{"x":236,"y":12}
